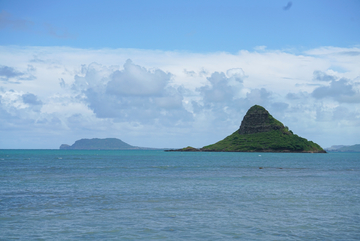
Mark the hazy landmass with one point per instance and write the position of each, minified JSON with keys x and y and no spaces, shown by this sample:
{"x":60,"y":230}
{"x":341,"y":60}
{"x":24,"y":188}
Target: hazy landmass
{"x":101,"y":144}
{"x":344,"y":148}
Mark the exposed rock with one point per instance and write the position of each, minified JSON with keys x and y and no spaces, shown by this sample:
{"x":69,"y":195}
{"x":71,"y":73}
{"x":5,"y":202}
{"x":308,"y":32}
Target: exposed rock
{"x":258,"y":119}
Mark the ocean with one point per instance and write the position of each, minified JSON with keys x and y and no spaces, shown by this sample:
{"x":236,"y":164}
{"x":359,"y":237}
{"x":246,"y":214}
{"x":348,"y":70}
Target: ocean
{"x":157,"y":195}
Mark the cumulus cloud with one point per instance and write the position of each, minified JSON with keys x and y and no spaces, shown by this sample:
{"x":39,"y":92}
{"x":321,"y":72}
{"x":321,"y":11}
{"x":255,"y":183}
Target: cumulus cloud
{"x":297,"y":96}
{"x":133,"y":94}
{"x":341,"y":91}
{"x":260,"y":48}
{"x":93,"y":76}
{"x":31,"y":99}
{"x":190,"y":73}
{"x":34,"y":104}
{"x":137,"y":81}
{"x":9,"y":72}
{"x":19,"y":109}
{"x":353,"y":53}
{"x":222,"y":88}
{"x":225,"y":99}
{"x":321,"y":76}
{"x":236,"y":74}
{"x":258,"y":96}
{"x":346,"y":116}
{"x":342,"y":113}
{"x":279,"y":106}
{"x":198,"y":98}
{"x":218,"y":90}
{"x":62,"y":83}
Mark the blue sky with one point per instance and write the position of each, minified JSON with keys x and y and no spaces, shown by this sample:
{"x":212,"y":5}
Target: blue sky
{"x":176,"y":73}
{"x":199,"y":26}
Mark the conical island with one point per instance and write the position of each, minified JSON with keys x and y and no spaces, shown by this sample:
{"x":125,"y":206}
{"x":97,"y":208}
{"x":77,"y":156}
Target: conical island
{"x":261,"y":132}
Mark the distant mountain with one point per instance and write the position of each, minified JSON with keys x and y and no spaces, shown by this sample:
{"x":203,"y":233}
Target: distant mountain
{"x":100,"y":144}
{"x":334,"y":147}
{"x":260,"y":132}
{"x":342,"y":148}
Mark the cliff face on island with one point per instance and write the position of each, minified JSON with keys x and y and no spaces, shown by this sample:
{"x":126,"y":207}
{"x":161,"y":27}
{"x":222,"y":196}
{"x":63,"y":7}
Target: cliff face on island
{"x":261,"y":132}
{"x":257,"y":120}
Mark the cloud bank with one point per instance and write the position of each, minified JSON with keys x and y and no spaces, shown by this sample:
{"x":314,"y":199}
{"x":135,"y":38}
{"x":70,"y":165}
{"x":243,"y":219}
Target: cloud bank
{"x":55,"y":95}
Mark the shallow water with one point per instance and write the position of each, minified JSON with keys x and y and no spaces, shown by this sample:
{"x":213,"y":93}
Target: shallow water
{"x":146,"y":195}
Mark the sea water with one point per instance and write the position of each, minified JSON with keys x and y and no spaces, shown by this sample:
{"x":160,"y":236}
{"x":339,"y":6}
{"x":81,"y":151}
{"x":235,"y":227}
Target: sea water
{"x":151,"y":195}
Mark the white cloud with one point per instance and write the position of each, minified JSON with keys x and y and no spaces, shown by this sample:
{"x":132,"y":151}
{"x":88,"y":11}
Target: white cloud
{"x":137,"y":81}
{"x":133,"y":94}
{"x":219,"y":89}
{"x":7,"y":72}
{"x":260,"y":48}
{"x":322,"y":76}
{"x":340,"y":90}
{"x":173,"y":99}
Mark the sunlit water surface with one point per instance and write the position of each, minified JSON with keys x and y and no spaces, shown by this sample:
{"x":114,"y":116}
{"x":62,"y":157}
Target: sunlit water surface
{"x":150,"y":195}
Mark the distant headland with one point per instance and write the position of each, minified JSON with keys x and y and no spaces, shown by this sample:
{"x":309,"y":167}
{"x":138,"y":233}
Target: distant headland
{"x":344,"y":148}
{"x":260,"y":132}
{"x":102,"y":144}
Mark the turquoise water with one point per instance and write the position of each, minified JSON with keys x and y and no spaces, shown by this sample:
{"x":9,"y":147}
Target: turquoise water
{"x":150,"y":195}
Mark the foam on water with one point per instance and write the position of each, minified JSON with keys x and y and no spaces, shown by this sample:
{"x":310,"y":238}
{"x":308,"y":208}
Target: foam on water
{"x":134,"y":195}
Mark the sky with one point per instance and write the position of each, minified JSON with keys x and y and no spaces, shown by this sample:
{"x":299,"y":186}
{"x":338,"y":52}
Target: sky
{"x":170,"y":74}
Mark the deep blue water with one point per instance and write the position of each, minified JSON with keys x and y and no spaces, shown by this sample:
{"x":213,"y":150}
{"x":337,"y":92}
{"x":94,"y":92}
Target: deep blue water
{"x":149,"y":195}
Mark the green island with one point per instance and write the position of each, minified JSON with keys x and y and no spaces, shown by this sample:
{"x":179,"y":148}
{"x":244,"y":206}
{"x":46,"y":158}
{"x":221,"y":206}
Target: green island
{"x":261,"y":132}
